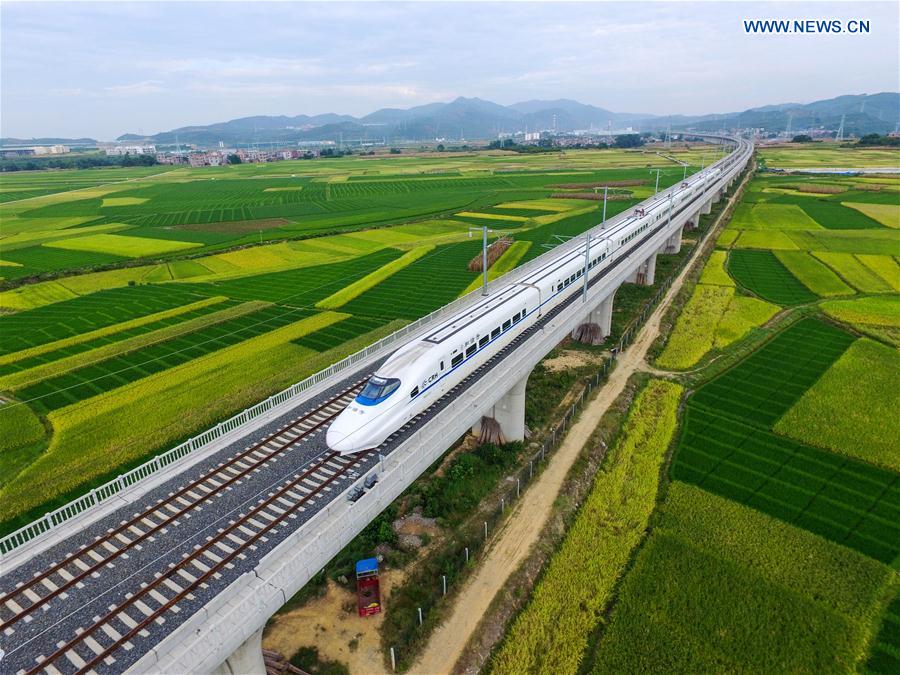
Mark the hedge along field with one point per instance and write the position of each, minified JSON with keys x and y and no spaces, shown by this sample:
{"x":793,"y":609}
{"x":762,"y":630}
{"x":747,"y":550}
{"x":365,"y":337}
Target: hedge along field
{"x":853,"y":408}
{"x":713,"y":318}
{"x":854,"y":272}
{"x":83,"y":383}
{"x":719,"y":587}
{"x":86,"y":314}
{"x":878,"y":317}
{"x":360,"y":286}
{"x":727,"y":447}
{"x":552,"y":632}
{"x":761,"y":273}
{"x":813,"y":274}
{"x":99,"y":437}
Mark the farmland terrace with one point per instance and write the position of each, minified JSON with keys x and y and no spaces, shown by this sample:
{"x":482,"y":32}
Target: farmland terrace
{"x":121,"y":579}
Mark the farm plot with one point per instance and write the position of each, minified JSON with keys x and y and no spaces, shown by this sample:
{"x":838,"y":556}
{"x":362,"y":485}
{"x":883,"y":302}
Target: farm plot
{"x":88,"y":313}
{"x":813,"y":274}
{"x":876,"y":242}
{"x":834,"y":216}
{"x":849,"y":268}
{"x":886,"y":214}
{"x":550,"y":635}
{"x":714,"y":317}
{"x":764,"y":216}
{"x":76,"y":385}
{"x":102,"y":340}
{"x":852,"y":408}
{"x":884,"y":658}
{"x":719,"y":587}
{"x":728,"y":447}
{"x":38,"y":259}
{"x":302,"y":287}
{"x":421,"y":287}
{"x":878,"y":317}
{"x":116,"y":244}
{"x":760,"y":272}
{"x":337,"y":333}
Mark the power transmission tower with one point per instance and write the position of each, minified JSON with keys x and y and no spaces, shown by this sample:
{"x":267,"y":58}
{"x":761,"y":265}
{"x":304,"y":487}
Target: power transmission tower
{"x":840,"y":133}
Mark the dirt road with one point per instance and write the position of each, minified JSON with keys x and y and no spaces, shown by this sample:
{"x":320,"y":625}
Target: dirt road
{"x":521,"y":530}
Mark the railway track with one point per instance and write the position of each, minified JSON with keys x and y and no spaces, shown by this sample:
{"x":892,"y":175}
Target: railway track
{"x":20,"y":604}
{"x":96,"y":644}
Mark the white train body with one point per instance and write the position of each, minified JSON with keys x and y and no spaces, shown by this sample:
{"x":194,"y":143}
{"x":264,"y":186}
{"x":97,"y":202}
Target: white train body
{"x":422,"y":371}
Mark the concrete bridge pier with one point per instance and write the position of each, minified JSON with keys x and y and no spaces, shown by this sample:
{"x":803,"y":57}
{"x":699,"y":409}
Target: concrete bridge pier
{"x":508,"y":413}
{"x":706,"y":208}
{"x":597,"y":324}
{"x":673,"y":243}
{"x":246,"y":659}
{"x":645,"y":273}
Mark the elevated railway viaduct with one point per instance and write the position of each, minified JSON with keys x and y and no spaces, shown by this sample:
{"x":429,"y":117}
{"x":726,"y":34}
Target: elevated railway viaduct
{"x":177,"y":568}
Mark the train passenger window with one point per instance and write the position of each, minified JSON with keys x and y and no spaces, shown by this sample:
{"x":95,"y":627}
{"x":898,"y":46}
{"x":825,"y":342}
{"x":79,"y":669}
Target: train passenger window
{"x":567,"y":282}
{"x":414,"y":392}
{"x":483,"y":341}
{"x":559,"y":288}
{"x":507,"y":324}
{"x":515,"y":318}
{"x":471,"y":350}
{"x":495,"y":333}
{"x":580,"y":272}
{"x":442,"y":364}
{"x":456,"y":360}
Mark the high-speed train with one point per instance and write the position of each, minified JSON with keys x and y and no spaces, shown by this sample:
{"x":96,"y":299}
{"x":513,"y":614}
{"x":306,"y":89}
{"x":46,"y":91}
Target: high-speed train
{"x":423,"y":370}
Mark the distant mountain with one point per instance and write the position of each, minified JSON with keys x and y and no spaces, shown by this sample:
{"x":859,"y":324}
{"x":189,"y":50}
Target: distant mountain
{"x":475,"y":118}
{"x":863,"y":114}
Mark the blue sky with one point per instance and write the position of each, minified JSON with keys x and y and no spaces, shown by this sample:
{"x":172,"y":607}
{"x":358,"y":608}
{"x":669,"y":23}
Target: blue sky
{"x":103,"y":69}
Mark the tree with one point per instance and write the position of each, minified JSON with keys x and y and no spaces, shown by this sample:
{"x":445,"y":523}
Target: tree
{"x":629,"y":141}
{"x":440,"y":147}
{"x":395,"y":151}
{"x":801,"y":138}
{"x":234,"y":159}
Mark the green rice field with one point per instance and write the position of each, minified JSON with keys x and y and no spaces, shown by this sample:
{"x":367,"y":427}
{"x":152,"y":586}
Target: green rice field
{"x":728,"y":447}
{"x":764,"y":274}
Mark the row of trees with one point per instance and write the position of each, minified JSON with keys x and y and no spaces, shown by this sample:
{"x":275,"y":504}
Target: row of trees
{"x":75,"y":162}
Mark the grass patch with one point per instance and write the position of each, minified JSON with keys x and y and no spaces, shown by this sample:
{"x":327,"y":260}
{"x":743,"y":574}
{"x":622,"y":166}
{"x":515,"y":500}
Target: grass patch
{"x":834,"y":216}
{"x":761,"y":273}
{"x":719,"y":587}
{"x":552,"y":632}
{"x":714,"y":271}
{"x":116,"y":244}
{"x":839,"y":410}
{"x":813,"y":274}
{"x":122,"y":201}
{"x":360,"y":286}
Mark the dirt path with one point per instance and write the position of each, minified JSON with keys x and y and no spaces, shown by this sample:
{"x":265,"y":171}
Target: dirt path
{"x":512,"y":544}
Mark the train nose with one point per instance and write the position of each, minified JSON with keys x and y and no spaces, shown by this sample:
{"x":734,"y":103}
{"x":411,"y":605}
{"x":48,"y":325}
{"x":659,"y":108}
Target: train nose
{"x":342,"y":437}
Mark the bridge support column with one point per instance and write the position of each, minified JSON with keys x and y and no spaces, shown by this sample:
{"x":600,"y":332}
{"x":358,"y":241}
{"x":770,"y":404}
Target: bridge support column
{"x":597,"y":324}
{"x":645,"y":273}
{"x":673,"y":243}
{"x":509,"y":412}
{"x":246,"y":660}
{"x":706,"y":208}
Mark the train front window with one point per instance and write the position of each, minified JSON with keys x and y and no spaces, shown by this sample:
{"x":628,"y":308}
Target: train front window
{"x":377,"y":389}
